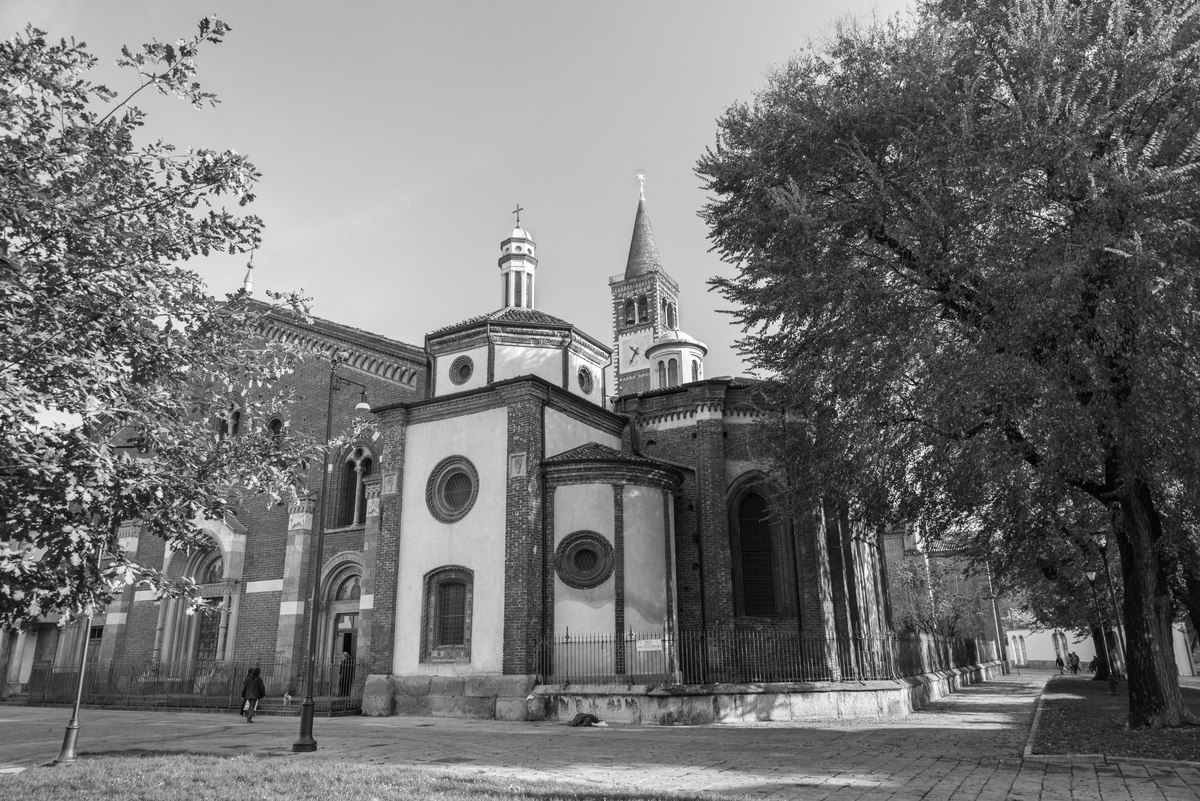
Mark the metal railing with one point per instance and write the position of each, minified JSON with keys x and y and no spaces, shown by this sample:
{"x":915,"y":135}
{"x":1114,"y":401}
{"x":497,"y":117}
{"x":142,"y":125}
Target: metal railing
{"x":337,"y":686}
{"x":750,"y":656}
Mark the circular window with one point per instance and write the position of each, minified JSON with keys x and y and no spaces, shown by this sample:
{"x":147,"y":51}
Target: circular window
{"x":584,"y":560}
{"x":585,"y":380}
{"x":452,"y":488}
{"x":461,"y":369}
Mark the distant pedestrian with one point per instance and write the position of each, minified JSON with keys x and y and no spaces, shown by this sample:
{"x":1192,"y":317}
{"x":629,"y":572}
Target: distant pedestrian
{"x":1058,"y":661}
{"x":1073,"y":661}
{"x":252,"y":690}
{"x":1092,"y":665}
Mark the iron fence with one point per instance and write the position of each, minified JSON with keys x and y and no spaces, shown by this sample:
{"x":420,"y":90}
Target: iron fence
{"x":337,"y":686}
{"x":750,"y":656}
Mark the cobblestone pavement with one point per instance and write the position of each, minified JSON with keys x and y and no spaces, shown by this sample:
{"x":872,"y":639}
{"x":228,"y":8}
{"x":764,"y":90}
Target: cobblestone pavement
{"x":965,"y":747}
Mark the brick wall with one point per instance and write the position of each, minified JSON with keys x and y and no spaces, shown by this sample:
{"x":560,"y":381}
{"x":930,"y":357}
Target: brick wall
{"x":524,"y":562}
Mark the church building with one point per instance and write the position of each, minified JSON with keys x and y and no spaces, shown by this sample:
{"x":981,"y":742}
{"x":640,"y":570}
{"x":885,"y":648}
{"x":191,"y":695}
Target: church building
{"x":535,"y":506}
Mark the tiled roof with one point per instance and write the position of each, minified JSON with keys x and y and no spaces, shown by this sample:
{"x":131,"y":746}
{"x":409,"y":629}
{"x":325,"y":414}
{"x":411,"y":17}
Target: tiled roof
{"x":643,"y":253}
{"x":509,"y":314}
{"x":595,"y":452}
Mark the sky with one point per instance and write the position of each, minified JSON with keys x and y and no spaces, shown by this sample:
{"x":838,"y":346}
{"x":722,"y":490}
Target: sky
{"x":395,"y":138}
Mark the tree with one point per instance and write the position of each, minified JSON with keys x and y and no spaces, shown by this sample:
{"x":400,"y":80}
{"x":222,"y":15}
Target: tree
{"x":966,"y":245}
{"x":935,"y":596}
{"x":122,"y":381}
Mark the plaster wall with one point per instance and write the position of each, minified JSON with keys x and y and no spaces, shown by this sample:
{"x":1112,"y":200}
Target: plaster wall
{"x":518,"y":360}
{"x":574,"y":362}
{"x":1039,"y":645}
{"x":1183,"y":652}
{"x":441,"y":368}
{"x":475,"y":542}
{"x":593,"y":611}
{"x":564,"y":433}
{"x":645,"y":560}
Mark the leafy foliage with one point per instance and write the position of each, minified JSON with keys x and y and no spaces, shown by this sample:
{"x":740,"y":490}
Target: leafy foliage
{"x":966,"y":246}
{"x":938,"y":597}
{"x":118,"y":371}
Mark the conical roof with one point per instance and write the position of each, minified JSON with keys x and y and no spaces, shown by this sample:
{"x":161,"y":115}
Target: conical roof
{"x":643,"y":253}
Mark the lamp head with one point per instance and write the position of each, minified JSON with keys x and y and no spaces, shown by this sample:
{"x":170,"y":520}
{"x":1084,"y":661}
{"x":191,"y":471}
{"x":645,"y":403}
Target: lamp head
{"x":1091,"y":576}
{"x":362,"y":405}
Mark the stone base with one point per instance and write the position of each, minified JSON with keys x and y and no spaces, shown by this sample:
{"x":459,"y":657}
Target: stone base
{"x":753,"y":703}
{"x":378,"y":699}
{"x":484,"y":696}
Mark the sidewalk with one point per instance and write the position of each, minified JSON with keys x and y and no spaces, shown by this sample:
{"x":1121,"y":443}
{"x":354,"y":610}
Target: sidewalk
{"x":964,"y":747}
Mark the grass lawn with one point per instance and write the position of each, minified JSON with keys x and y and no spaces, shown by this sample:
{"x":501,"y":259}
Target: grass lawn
{"x":1080,"y":717}
{"x":191,"y":777}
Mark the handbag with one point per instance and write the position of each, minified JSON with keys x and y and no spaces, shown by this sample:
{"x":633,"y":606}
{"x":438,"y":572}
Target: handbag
{"x":245,"y":707}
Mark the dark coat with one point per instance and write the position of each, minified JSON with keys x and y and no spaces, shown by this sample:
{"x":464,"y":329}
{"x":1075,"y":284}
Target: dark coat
{"x":253,"y":687}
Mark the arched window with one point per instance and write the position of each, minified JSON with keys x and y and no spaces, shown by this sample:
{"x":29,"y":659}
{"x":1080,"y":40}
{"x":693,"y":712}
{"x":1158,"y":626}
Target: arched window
{"x":629,"y":313}
{"x":662,"y":374}
{"x":754,"y":574}
{"x":695,"y":370}
{"x":519,"y":286}
{"x":643,"y":309}
{"x":275,"y":431}
{"x":670,"y":315}
{"x":352,"y":499}
{"x":673,"y":372}
{"x":184,"y":637}
{"x":446,"y":615}
{"x":229,"y":424}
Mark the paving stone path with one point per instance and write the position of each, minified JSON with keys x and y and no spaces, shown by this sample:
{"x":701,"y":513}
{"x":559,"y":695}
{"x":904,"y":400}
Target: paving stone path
{"x":966,"y":747}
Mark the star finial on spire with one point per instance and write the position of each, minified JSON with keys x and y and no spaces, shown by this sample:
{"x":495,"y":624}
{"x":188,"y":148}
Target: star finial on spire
{"x":642,"y":185}
{"x":517,"y":211}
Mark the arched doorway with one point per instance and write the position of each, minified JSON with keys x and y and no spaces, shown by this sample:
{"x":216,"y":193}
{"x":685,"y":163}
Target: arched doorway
{"x":183,"y":636}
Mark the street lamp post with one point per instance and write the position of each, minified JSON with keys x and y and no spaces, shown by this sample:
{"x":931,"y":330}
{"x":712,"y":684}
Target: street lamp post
{"x":1112,"y":675}
{"x":66,"y":755}
{"x":1102,"y":545}
{"x":306,"y":741}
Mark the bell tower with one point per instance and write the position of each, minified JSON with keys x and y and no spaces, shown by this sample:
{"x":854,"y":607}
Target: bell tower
{"x":645,"y":305}
{"x":518,"y":267}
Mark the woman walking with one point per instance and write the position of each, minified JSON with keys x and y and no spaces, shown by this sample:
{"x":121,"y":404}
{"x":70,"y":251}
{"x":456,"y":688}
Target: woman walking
{"x":252,"y":690}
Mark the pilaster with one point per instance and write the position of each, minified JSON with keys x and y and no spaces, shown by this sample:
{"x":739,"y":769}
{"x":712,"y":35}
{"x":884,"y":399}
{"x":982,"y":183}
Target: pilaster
{"x":290,"y":640}
{"x":117,"y":615}
{"x":523,"y":557}
{"x":366,"y":602}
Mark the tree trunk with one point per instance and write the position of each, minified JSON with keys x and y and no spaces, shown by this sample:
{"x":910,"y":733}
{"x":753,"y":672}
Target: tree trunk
{"x":1101,"y":662}
{"x":1154,"y":697}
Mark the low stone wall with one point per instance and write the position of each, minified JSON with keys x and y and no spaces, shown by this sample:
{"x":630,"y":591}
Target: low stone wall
{"x":752,"y":703}
{"x":519,"y":698}
{"x":483,"y":696}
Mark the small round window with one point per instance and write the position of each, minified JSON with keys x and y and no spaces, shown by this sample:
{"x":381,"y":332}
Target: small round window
{"x":584,"y":560}
{"x":452,"y":488}
{"x":585,"y":381}
{"x":461,"y":369}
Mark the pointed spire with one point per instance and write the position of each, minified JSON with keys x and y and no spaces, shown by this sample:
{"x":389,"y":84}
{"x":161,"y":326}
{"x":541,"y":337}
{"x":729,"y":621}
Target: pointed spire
{"x":643,"y":252}
{"x":248,"y":281}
